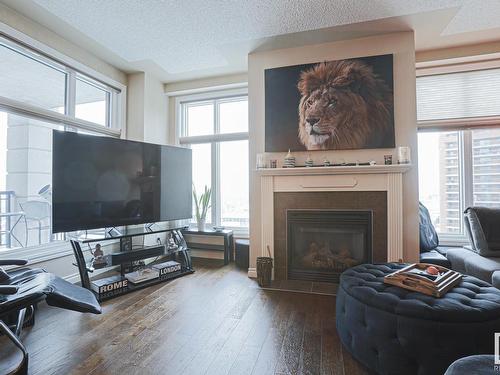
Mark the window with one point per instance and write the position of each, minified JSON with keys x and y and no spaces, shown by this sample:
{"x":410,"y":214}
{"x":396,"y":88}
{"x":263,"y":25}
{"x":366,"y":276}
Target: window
{"x":459,"y":158}
{"x":27,"y":79}
{"x":216,"y":128}
{"x":38,"y":95}
{"x":92,"y":102}
{"x":33,"y":81}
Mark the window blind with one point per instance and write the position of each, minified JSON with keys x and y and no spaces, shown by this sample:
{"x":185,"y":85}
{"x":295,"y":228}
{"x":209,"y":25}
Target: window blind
{"x":460,"y":95}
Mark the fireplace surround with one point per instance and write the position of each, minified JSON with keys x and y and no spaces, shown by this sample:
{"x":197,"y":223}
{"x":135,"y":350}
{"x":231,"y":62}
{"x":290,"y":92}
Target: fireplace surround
{"x":374,"y":202}
{"x":378,"y":188}
{"x":321,"y":244}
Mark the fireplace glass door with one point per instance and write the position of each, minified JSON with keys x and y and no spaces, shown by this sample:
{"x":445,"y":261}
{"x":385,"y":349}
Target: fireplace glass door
{"x":321,"y":244}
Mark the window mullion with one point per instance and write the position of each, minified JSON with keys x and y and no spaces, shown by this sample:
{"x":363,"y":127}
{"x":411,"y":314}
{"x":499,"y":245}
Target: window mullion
{"x":216,"y":198}
{"x":109,"y":104}
{"x":70,"y":109}
{"x":467,"y":170}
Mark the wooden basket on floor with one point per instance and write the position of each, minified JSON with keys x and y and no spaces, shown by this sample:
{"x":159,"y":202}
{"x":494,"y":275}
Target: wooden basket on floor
{"x":264,"y":271}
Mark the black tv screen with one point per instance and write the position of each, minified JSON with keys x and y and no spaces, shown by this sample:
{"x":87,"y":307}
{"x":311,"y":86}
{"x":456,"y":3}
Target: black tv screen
{"x":102,"y":182}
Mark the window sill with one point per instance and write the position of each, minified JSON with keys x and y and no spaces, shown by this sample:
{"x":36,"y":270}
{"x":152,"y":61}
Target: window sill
{"x":39,"y":253}
{"x":237,"y":231}
{"x":453,"y":241}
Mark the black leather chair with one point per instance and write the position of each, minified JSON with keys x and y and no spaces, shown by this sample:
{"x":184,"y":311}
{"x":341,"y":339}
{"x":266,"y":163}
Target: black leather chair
{"x":22,"y":289}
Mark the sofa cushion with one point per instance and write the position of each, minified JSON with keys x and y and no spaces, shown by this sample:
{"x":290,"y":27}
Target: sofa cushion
{"x":495,"y":279}
{"x":467,"y":261}
{"x":482,"y":225}
{"x":443,"y":249}
{"x":434,"y":257}
{"x":482,"y":267}
{"x":457,"y":258}
{"x":428,"y":236}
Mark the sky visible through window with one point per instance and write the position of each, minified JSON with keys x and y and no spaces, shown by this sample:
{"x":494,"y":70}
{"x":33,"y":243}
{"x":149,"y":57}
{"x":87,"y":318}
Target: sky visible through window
{"x":428,"y":172}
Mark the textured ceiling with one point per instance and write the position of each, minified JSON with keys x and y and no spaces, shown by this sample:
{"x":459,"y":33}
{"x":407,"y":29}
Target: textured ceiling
{"x":195,"y":38}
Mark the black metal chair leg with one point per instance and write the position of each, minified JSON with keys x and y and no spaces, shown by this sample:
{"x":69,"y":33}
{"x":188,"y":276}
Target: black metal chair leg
{"x":23,"y":367}
{"x":20,"y":322}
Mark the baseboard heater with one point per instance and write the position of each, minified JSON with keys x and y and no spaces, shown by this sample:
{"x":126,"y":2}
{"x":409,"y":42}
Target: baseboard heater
{"x":116,"y":259}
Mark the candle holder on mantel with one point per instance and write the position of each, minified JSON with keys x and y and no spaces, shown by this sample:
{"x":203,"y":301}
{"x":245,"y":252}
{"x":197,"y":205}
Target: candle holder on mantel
{"x":261,"y":161}
{"x":309,"y":161}
{"x":289,"y":160}
{"x":404,"y":155}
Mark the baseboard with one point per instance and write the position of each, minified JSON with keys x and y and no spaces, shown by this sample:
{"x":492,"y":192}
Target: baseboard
{"x":252,"y":273}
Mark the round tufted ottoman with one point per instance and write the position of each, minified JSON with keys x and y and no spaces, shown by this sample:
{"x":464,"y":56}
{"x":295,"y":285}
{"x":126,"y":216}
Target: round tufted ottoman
{"x":395,"y":331}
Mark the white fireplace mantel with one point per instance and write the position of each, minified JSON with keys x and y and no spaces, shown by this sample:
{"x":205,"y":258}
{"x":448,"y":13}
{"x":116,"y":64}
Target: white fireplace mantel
{"x":312,"y":171}
{"x":386,"y":178}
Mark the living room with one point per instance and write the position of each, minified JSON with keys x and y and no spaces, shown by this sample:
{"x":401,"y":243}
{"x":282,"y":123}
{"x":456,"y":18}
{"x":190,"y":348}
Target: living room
{"x":249,"y":187}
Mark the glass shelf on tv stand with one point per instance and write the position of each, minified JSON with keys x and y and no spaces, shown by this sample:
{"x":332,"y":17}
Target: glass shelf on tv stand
{"x":96,"y":264}
{"x":86,"y":266}
{"x":123,"y":232}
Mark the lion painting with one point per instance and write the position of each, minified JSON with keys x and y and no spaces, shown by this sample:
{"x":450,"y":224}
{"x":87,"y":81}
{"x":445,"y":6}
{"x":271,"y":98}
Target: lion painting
{"x":344,"y":105}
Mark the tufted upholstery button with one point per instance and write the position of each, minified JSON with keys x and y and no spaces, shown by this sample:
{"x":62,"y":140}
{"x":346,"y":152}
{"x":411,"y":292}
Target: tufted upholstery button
{"x":402,"y":332}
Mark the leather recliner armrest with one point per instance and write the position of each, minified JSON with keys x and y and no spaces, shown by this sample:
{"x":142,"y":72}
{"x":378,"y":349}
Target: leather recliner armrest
{"x":8,"y":289}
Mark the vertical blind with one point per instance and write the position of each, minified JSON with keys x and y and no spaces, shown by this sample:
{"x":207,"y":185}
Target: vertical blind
{"x":458,"y":95}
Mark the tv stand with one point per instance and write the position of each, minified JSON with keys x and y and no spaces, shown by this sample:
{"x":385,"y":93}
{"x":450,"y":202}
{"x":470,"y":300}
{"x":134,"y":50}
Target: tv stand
{"x":176,"y":250}
{"x":149,"y":226}
{"x":113,"y":232}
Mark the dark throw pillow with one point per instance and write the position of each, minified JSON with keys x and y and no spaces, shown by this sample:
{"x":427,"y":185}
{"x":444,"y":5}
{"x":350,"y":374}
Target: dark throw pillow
{"x":428,"y":236}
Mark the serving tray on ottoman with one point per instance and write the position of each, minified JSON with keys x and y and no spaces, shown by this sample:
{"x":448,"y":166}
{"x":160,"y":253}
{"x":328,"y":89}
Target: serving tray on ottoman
{"x":416,"y":278}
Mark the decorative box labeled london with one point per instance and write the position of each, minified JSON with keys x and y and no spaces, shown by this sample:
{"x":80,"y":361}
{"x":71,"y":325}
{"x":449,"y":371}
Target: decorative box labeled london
{"x":108,"y":285}
{"x":168,"y":269}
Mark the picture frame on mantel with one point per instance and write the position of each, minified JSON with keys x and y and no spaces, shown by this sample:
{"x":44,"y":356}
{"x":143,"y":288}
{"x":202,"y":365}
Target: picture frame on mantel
{"x":334,"y":105}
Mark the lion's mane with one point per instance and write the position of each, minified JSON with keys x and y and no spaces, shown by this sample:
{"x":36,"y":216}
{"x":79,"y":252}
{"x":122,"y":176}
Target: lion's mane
{"x":352,"y":107}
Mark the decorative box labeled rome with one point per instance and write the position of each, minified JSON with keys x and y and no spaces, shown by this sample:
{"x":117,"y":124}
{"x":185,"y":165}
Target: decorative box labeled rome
{"x":109,"y":286}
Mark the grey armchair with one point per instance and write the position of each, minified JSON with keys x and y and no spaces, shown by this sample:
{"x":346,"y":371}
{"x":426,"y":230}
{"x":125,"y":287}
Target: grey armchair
{"x":483,"y":228}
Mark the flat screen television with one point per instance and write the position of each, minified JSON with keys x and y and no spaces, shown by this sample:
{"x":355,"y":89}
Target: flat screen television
{"x":102,"y":182}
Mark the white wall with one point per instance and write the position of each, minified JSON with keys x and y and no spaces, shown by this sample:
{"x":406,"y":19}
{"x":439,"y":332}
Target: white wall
{"x":147,"y":109}
{"x":403,"y":48}
{"x":155,"y":111}
{"x":135,"y":106}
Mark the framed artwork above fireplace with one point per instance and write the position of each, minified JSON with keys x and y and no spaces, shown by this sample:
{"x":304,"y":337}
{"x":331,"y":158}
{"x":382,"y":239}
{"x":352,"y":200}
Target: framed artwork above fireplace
{"x":333,"y":105}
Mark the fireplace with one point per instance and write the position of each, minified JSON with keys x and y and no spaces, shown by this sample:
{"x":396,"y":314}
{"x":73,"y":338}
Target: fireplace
{"x":321,"y":244}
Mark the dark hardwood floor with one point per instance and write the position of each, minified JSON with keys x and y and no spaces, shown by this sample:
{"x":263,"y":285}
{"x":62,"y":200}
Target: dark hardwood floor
{"x":216,"y":321}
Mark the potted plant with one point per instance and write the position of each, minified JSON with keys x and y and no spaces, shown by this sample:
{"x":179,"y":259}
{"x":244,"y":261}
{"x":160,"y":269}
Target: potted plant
{"x":202,"y":204}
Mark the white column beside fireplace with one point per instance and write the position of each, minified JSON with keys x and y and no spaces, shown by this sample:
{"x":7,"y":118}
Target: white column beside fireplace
{"x":386,"y":178}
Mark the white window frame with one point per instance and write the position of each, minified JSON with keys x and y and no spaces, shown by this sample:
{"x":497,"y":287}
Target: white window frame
{"x":466,"y":180}
{"x":464,"y":126}
{"x":115,"y":126}
{"x":214,"y":139}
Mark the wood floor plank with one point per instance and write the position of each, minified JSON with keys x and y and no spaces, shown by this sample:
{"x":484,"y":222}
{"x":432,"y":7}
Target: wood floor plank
{"x":292,"y":345}
{"x":216,"y":321}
